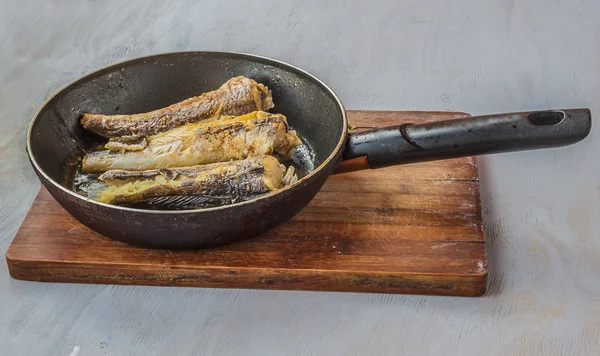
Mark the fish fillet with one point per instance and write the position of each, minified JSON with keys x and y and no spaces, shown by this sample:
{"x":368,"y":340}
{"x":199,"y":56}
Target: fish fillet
{"x":239,"y":95}
{"x":199,"y":186}
{"x":255,"y":134}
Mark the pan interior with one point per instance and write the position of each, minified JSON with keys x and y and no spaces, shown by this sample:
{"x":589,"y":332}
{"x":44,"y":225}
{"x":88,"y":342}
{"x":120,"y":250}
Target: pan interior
{"x":57,"y":141}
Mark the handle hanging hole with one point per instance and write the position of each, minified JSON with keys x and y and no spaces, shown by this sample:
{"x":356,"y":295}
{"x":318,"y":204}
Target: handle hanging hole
{"x":545,"y":118}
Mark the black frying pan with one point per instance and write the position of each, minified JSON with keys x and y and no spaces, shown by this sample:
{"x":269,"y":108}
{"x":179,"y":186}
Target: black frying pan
{"x":55,"y":139}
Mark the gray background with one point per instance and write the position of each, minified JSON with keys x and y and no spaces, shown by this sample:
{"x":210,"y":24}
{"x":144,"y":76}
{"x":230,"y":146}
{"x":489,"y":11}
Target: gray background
{"x":541,"y":208}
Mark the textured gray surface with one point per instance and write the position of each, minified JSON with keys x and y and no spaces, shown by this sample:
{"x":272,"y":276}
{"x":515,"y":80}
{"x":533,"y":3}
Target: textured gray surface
{"x":542,"y":210}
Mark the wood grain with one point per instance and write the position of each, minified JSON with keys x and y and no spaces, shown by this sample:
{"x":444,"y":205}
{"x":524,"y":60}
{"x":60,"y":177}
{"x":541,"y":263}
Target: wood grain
{"x":408,"y":229}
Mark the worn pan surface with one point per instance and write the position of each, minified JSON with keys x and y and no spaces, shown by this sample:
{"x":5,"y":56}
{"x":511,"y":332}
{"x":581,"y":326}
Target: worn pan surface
{"x":55,"y":141}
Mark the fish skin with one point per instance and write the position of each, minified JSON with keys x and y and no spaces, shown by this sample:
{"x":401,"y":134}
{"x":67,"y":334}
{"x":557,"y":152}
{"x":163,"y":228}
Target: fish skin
{"x":251,"y":135}
{"x":239,"y":95}
{"x":198,"y":186}
{"x":126,"y":143}
{"x":171,"y":173}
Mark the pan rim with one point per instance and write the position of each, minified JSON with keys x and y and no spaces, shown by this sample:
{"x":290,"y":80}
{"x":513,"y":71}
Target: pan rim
{"x":286,"y":65}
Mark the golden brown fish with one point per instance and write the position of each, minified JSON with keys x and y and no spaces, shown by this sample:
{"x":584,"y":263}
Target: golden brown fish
{"x":239,"y":95}
{"x":126,"y":143}
{"x":200,"y":186}
{"x":255,"y":134}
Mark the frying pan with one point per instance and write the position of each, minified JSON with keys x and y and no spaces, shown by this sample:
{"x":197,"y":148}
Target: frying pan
{"x":55,"y":140}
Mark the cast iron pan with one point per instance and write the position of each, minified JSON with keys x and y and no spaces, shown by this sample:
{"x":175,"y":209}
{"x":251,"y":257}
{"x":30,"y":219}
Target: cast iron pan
{"x":56,"y":139}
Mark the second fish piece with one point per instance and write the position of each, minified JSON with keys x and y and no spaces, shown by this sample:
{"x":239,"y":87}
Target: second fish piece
{"x":255,"y":134}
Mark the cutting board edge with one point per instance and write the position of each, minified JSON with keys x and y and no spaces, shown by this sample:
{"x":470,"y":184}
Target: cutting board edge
{"x":414,"y":112}
{"x":473,"y":285}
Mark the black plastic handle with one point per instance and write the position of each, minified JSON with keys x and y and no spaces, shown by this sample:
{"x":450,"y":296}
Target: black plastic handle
{"x":469,"y":136}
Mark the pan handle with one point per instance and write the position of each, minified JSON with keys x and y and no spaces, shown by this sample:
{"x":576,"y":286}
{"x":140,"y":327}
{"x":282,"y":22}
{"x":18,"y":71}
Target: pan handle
{"x":469,"y":136}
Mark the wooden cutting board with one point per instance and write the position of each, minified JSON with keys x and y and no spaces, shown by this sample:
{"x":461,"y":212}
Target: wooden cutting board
{"x":415,"y":228}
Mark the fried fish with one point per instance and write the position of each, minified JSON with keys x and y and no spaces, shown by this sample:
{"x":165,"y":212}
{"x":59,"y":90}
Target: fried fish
{"x":238,"y":96}
{"x":196,"y":187}
{"x":230,"y":138}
